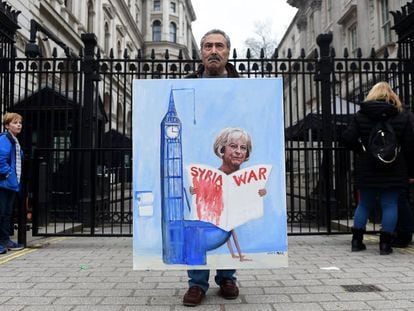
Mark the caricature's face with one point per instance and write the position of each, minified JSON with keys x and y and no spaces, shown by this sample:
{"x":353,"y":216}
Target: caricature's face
{"x":15,"y":126}
{"x":215,"y":54}
{"x":235,"y":152}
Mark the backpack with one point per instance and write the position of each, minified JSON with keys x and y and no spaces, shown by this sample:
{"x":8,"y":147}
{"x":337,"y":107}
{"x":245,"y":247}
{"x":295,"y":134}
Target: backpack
{"x":383,"y":143}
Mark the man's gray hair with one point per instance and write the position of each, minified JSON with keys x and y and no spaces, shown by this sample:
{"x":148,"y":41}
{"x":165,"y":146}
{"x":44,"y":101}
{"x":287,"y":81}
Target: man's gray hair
{"x":215,"y":32}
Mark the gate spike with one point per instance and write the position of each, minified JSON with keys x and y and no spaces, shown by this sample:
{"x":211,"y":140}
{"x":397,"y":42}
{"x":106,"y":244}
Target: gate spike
{"x":386,"y":54}
{"x":276,"y":53}
{"x":248,"y":53}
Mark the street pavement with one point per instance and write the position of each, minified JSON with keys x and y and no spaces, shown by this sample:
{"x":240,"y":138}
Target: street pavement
{"x":95,"y":273}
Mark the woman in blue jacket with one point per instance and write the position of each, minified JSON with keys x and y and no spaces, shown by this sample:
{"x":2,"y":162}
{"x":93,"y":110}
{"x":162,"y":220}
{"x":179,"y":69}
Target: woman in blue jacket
{"x":10,"y":173}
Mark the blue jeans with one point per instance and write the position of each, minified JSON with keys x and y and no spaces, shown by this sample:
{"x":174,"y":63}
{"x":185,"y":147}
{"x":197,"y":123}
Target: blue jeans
{"x":388,"y":199}
{"x":6,"y":207}
{"x":200,"y":277}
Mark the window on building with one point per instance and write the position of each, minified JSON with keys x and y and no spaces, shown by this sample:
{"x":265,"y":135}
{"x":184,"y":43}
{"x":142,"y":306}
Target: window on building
{"x":137,"y":15}
{"x":120,"y":116}
{"x":353,"y":39}
{"x":328,"y":11}
{"x":119,"y":49}
{"x":68,"y":5}
{"x":156,"y":31}
{"x":107,"y":38}
{"x":173,"y":7}
{"x":311,"y":27}
{"x":173,"y":32}
{"x":91,"y":15}
{"x":157,"y":5}
{"x":385,"y":21}
{"x":61,"y":140}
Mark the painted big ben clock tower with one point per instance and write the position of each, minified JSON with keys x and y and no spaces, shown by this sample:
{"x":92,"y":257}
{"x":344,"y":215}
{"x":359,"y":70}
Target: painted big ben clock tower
{"x":183,"y":241}
{"x":172,"y":202}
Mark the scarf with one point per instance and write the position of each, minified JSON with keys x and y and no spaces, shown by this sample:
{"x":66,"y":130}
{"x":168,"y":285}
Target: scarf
{"x":18,"y":159}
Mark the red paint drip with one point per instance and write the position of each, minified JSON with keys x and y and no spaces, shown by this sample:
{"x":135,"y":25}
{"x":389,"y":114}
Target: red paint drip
{"x":209,"y":200}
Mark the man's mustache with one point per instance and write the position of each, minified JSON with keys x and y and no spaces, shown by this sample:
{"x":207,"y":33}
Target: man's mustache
{"x":214,"y":57}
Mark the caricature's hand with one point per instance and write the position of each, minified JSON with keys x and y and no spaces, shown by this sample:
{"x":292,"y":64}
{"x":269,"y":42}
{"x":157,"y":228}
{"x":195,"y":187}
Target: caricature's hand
{"x":243,"y":258}
{"x":411,"y":181}
{"x":193,"y":190}
{"x":262,"y":192}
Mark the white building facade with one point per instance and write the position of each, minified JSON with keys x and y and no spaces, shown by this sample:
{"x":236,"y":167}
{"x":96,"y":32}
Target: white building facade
{"x":120,"y":25}
{"x":354,"y":24}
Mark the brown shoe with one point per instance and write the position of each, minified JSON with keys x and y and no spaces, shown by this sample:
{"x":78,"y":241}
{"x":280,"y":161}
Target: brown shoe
{"x":193,"y":296}
{"x":229,"y":289}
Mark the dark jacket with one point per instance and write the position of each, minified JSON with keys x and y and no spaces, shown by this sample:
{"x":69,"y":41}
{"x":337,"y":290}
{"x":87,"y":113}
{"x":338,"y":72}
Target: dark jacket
{"x":368,"y":171}
{"x":231,"y":72}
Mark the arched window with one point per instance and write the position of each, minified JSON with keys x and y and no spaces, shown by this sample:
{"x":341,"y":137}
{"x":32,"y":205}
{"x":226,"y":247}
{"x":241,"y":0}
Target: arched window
{"x":119,"y":49}
{"x":156,"y":31}
{"x":91,"y":15}
{"x":173,"y":32}
{"x":107,"y":38}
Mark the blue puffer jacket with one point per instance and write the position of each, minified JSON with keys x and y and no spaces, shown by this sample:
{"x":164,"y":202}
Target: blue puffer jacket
{"x":8,"y":176}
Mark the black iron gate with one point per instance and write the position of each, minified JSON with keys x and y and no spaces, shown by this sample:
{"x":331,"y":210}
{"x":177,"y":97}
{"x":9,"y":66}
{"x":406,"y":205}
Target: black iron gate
{"x":77,"y":114}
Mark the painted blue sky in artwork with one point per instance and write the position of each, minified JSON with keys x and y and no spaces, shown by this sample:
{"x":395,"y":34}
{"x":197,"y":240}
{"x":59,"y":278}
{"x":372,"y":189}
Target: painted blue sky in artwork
{"x":252,"y":104}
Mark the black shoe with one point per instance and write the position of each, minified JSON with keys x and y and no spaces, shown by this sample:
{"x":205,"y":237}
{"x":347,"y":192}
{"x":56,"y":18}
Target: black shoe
{"x":193,"y":297}
{"x":357,"y":238}
{"x":385,"y":243}
{"x":229,"y":289}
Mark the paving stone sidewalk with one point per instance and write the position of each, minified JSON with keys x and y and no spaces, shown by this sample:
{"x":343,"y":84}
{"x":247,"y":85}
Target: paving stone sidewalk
{"x":85,"y":273}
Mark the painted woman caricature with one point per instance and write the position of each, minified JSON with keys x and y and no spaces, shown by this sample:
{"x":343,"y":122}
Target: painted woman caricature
{"x":233,"y":146}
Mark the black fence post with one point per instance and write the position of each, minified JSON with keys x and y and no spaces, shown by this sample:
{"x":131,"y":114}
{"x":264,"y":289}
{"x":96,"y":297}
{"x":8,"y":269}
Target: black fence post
{"x":89,"y":137}
{"x":323,"y":75}
{"x":89,"y":68}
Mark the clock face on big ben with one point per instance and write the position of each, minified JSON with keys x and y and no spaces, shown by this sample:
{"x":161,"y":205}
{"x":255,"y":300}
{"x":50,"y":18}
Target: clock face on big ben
{"x":172,"y":131}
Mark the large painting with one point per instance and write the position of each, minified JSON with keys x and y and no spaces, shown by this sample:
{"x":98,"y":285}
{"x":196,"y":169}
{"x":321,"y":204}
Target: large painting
{"x":209,"y":174}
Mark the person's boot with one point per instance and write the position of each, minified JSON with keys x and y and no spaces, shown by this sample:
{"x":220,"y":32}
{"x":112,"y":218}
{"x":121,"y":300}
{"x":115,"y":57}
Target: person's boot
{"x":357,"y":237}
{"x":402,"y":239}
{"x":385,"y":243}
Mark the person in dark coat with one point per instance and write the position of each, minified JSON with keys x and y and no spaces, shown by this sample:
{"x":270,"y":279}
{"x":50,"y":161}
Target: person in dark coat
{"x":215,"y":51}
{"x":405,"y":224}
{"x":374,"y":179}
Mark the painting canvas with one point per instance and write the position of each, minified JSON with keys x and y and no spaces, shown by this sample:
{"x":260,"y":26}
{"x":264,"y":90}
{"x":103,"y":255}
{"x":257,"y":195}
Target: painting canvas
{"x":187,"y":212}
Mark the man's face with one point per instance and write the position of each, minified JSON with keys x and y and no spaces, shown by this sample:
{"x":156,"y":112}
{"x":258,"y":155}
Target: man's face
{"x":215,"y":54}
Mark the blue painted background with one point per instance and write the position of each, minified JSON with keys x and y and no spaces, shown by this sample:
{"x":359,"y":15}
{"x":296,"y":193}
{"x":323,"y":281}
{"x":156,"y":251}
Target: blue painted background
{"x":255,"y":105}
